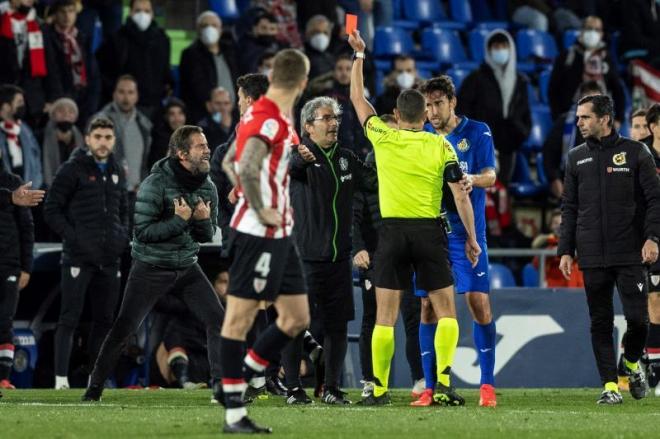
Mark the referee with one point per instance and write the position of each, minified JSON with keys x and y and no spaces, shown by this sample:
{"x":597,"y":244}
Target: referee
{"x":412,"y":166}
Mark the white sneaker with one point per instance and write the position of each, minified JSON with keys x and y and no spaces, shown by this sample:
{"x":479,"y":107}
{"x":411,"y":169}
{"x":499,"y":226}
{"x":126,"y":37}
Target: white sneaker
{"x":367,"y":388}
{"x":61,"y":383}
{"x":418,"y":388}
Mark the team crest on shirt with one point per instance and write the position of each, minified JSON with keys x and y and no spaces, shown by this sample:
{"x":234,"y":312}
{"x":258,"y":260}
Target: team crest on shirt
{"x":655,"y":280}
{"x":75,"y":271}
{"x":259,"y":284}
{"x":343,"y":164}
{"x":463,"y":145}
{"x":269,"y":128}
{"x":619,"y":159}
{"x":115,"y":178}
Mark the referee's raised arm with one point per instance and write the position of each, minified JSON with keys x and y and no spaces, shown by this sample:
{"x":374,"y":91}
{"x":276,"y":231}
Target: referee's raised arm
{"x":362,"y":106}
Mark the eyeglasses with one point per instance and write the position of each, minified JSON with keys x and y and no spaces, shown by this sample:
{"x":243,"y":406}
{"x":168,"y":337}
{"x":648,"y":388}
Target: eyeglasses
{"x":328,"y":117}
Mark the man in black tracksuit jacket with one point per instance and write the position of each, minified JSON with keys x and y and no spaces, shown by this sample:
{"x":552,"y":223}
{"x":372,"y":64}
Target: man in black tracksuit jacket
{"x":366,"y":221}
{"x":87,"y":206}
{"x":611,"y":217}
{"x":324,"y":177}
{"x":17,"y":231}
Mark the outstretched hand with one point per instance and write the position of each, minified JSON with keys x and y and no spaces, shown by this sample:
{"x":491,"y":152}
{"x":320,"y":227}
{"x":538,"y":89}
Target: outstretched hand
{"x":356,"y":41}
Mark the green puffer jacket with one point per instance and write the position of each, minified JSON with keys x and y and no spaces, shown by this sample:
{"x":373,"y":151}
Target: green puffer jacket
{"x":162,"y":238}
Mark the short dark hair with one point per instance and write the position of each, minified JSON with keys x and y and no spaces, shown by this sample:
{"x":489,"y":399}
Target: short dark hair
{"x":264,"y":56}
{"x":254,"y":85}
{"x":126,"y":77}
{"x":132,"y":2}
{"x":442,"y":83}
{"x":8,"y":92}
{"x":411,"y":105}
{"x":100,"y":122}
{"x":388,"y":118}
{"x":343,"y":57}
{"x":602,"y":106}
{"x":640,"y":112}
{"x":61,"y":4}
{"x":262,"y":14}
{"x":402,"y":57}
{"x":290,"y":68}
{"x":590,"y":86}
{"x":174,"y":102}
{"x":498,"y":37}
{"x":180,"y":139}
{"x":653,"y":114}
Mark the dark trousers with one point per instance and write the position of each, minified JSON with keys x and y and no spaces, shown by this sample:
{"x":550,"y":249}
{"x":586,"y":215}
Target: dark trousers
{"x":8,"y":302}
{"x":146,"y":285}
{"x":410,"y":311}
{"x":103,"y":285}
{"x":631,"y":282}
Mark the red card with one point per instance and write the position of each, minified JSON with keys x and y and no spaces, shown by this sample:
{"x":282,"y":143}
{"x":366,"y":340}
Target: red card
{"x":351,"y":23}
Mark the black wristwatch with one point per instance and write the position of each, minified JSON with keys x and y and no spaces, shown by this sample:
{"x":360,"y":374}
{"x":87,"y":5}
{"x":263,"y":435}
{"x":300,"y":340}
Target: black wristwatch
{"x":654,"y":239}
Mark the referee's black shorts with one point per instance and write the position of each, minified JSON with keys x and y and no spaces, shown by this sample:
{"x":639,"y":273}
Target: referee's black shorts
{"x":412,"y":245}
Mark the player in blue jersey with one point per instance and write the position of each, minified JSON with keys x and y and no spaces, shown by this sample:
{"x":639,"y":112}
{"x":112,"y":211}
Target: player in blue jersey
{"x":473,"y":143}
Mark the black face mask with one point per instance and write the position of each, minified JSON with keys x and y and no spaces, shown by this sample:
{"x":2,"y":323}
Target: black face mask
{"x":64,"y":126}
{"x":24,"y":10}
{"x":265,"y":39}
{"x":19,"y":113}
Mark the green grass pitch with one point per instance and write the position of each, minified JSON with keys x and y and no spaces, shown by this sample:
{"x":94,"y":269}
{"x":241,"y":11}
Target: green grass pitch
{"x":539,"y":413}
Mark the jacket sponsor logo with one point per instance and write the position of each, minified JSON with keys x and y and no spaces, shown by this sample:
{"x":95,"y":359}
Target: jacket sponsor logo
{"x":75,"y":271}
{"x":343,"y":178}
{"x":463,"y":145}
{"x":583,"y":161}
{"x":269,"y":128}
{"x":375,"y":129}
{"x":259,"y":284}
{"x":11,"y":279}
{"x":640,"y":286}
{"x":115,"y":178}
{"x":619,"y":159}
{"x":343,"y":164}
{"x":611,"y":169}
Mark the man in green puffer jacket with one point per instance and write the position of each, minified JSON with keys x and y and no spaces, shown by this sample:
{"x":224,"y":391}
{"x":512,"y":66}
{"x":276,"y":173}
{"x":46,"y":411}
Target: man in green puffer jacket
{"x":176,"y":209}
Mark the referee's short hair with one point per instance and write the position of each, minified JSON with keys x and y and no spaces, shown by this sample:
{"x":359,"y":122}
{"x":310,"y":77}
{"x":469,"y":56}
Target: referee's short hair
{"x":411,"y":106}
{"x":602,"y":105}
{"x":290,"y":68}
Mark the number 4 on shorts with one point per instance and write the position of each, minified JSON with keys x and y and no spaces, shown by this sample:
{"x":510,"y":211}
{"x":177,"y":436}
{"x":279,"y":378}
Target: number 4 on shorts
{"x":262,"y":268}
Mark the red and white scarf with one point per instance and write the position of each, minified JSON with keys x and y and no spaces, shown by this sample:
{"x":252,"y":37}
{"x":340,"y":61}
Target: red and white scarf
{"x":10,"y":20}
{"x":12,"y":130}
{"x":74,"y":57}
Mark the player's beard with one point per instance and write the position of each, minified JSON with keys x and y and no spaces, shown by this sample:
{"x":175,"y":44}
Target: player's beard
{"x":200,"y":166}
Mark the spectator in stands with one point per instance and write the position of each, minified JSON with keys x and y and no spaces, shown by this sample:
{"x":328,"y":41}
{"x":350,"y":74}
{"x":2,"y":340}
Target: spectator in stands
{"x":27,"y":58}
{"x":18,"y":146}
{"x":261,"y":39}
{"x":219,"y":122}
{"x":532,"y":14}
{"x":92,"y":219}
{"x":285,"y":13}
{"x":209,"y":62}
{"x":553,"y":276}
{"x":586,"y":60}
{"x":371,"y":14}
{"x":564,"y":136}
{"x":16,"y":249}
{"x":132,"y":129}
{"x":75,"y":62}
{"x":403,"y":77}
{"x":497,"y":95}
{"x":141,"y":49}
{"x":318,"y":32}
{"x":109,"y":12}
{"x":639,"y":128}
{"x":306,"y":10}
{"x":266,"y":63}
{"x":640,"y":20}
{"x":61,"y":137}
{"x":173,"y":117}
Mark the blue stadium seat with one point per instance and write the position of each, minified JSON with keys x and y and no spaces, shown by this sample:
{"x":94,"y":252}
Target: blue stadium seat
{"x":544,"y":83}
{"x":500,"y":276}
{"x":227,"y":9}
{"x":429,"y":66}
{"x":534,"y":45}
{"x":457,"y":75}
{"x":530,"y":276}
{"x":523,"y":185}
{"x":422,"y":13}
{"x":443,"y":46}
{"x":532,"y":95}
{"x":482,"y":11}
{"x":461,"y":11}
{"x":541,"y":126}
{"x":540,"y":170}
{"x":391,"y":41}
{"x":383,"y":64}
{"x":569,"y":38}
{"x":97,"y":38}
{"x":476,"y":42}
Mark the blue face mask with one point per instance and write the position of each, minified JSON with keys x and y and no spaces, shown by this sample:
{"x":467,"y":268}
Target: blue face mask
{"x":500,"y":56}
{"x":217,"y":117}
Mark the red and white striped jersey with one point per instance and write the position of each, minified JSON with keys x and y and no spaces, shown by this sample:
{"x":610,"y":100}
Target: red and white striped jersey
{"x":265,"y":121}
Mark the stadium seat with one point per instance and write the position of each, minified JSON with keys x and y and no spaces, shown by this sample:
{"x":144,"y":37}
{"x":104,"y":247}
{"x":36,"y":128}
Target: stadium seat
{"x":443,"y":46}
{"x":457,"y":75}
{"x":523,"y":185}
{"x":532,"y":95}
{"x":430,"y":66}
{"x":391,"y":41}
{"x":383,"y":64}
{"x":569,"y":38}
{"x":97,"y":38}
{"x":540,"y":170}
{"x":227,"y":9}
{"x":534,"y":45}
{"x":541,"y":126}
{"x":544,"y":83}
{"x":422,"y":13}
{"x":500,"y":276}
{"x":476,"y":41}
{"x":461,"y":11}
{"x":530,"y":276}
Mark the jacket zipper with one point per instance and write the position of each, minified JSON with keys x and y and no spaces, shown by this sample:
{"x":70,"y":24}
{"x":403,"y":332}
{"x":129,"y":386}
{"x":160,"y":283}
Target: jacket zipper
{"x":334,"y":202}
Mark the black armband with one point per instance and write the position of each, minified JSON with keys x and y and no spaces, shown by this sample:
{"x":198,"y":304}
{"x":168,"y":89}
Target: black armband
{"x":453,"y":172}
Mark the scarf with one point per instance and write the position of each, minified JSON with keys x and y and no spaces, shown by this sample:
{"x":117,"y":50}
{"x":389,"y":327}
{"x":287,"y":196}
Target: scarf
{"x":10,"y":21}
{"x":73,"y":56}
{"x":506,"y":77}
{"x":12,"y":131}
{"x":186,"y":178}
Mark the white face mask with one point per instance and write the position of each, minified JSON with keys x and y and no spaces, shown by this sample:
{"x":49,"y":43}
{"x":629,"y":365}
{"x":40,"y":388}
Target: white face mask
{"x":591,"y":38}
{"x":319,"y":42}
{"x":142,"y":20}
{"x":209,"y":35}
{"x":500,"y":56}
{"x":405,"y":80}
